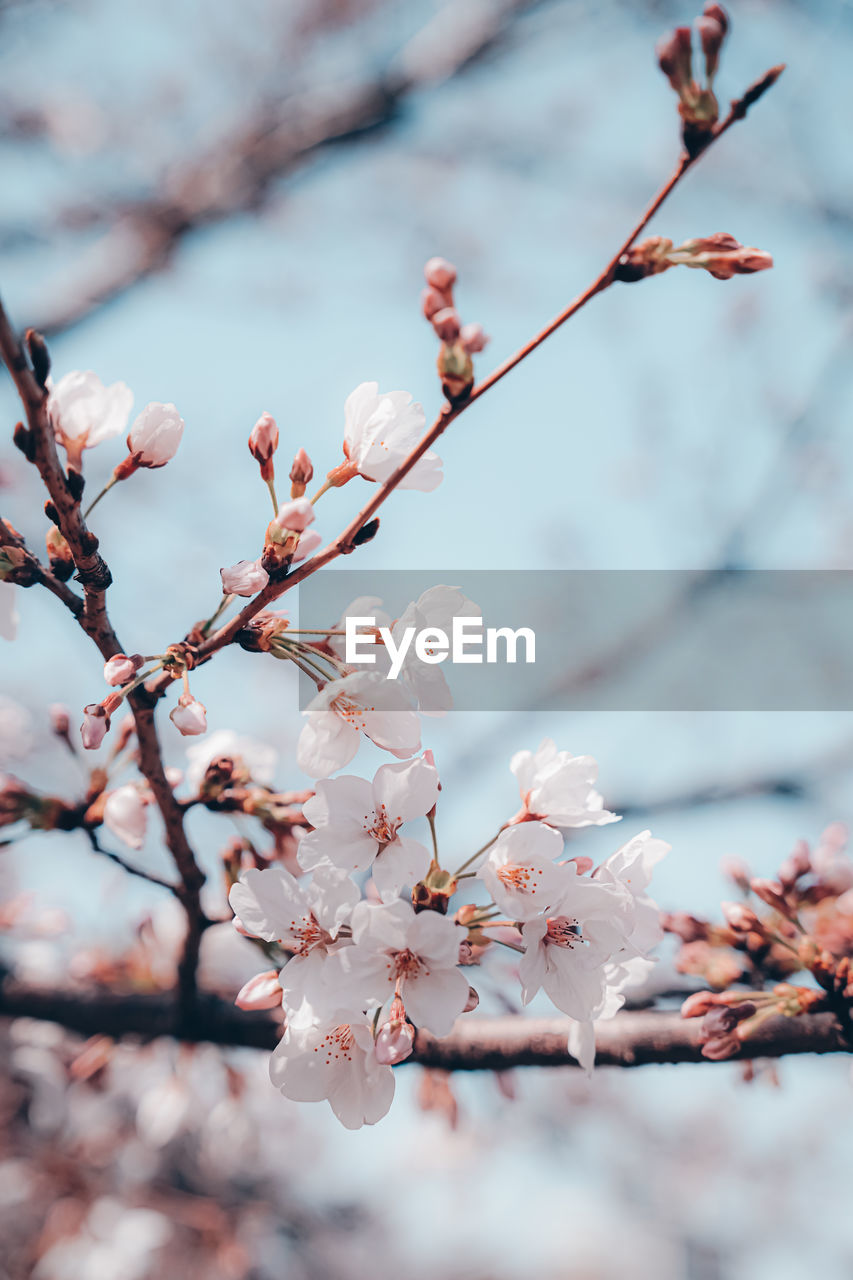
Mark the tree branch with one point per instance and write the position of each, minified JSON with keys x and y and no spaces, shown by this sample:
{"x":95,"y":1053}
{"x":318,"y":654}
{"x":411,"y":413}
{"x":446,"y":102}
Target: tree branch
{"x":631,"y":1039}
{"x":94,"y":574}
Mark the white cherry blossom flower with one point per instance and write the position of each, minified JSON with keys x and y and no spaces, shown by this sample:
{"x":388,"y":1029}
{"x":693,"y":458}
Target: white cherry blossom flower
{"x":337,"y":1062}
{"x":360,"y":703}
{"x":558,"y":788}
{"x":155,"y":435}
{"x":413,"y":954}
{"x":520,"y":872}
{"x":245,"y":578}
{"x":303,"y":919}
{"x":380,"y":430}
{"x":125,"y":815}
{"x":8,"y":613}
{"x":84,"y":413}
{"x":356,"y":824}
{"x":631,"y":867}
{"x":558,"y":960}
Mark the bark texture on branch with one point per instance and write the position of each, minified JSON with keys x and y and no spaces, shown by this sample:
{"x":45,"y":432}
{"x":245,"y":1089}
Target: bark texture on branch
{"x":631,"y":1039}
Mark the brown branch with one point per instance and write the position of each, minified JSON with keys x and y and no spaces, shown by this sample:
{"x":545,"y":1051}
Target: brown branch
{"x":94,"y":574}
{"x":36,"y":572}
{"x":476,"y":1043}
{"x":131,"y":870}
{"x":344,"y":542}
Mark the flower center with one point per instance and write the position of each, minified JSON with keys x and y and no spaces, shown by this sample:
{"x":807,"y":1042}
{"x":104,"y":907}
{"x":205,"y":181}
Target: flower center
{"x":563,"y":932}
{"x":305,"y":935}
{"x":337,"y":1044}
{"x":406,"y":964}
{"x":351,"y":711}
{"x":519,"y":879}
{"x":379,"y":825}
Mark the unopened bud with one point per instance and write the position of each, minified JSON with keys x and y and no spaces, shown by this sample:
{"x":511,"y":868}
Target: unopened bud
{"x":798,"y":863}
{"x":121,"y":668}
{"x":261,"y":992}
{"x":675,"y":55}
{"x":440,"y":274}
{"x":770,"y":892}
{"x":190,"y":716}
{"x":740,"y":918}
{"x":446,"y":324}
{"x":433,"y":300}
{"x":301,"y":474}
{"x":95,"y":726}
{"x":245,"y":578}
{"x":263,"y":442}
{"x":366,"y":533}
{"x":697,"y":1005}
{"x":473,"y":338}
{"x":736,"y":870}
{"x":456,"y":372}
{"x":721,"y":1047}
{"x":294,"y":516}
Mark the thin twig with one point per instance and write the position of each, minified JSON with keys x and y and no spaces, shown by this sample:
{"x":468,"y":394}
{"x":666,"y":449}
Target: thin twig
{"x":344,"y":542}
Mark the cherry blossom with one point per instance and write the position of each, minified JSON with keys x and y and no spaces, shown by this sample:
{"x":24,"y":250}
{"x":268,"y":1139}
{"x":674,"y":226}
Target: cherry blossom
{"x":520,"y":872}
{"x":125,"y":815}
{"x":559,"y":960}
{"x":338,"y":1063}
{"x":303,"y":919}
{"x":263,"y":441}
{"x":631,"y":867}
{"x":415,"y":955}
{"x":155,"y":435}
{"x":381,"y":430}
{"x":84,"y":413}
{"x":95,"y":726}
{"x":356,"y":824}
{"x":557,"y":788}
{"x":618,"y":979}
{"x":245,"y":578}
{"x":344,"y":709}
{"x":8,"y":612}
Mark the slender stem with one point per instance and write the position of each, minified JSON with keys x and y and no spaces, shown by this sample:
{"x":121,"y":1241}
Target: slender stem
{"x":91,"y":507}
{"x":220,"y":609}
{"x":476,"y":855}
{"x":324,"y":488}
{"x":431,"y":820}
{"x":271,"y":487}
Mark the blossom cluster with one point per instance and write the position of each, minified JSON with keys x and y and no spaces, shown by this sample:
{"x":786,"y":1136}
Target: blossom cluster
{"x":375,"y":938}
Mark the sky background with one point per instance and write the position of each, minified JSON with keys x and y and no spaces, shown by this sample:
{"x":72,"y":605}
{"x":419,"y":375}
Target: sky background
{"x":682,"y":423}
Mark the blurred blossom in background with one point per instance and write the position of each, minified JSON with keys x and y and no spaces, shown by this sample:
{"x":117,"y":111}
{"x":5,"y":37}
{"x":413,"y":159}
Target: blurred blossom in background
{"x":228,"y":207}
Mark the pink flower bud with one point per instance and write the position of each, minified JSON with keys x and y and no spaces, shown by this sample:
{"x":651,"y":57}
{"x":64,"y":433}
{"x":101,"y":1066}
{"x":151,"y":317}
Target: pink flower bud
{"x":155,"y":435}
{"x":583,"y":864}
{"x":245,"y":578}
{"x":124,"y":814}
{"x":261,"y":992}
{"x":294,"y":516}
{"x":396,"y":1037}
{"x":301,"y":474}
{"x":121,"y":668}
{"x":263,"y":439}
{"x":446,"y":324}
{"x":798,"y":863}
{"x":189,"y":717}
{"x":433,"y":300}
{"x":740,"y":918}
{"x":697,"y":1005}
{"x":440,"y":274}
{"x":474,"y":338}
{"x":95,"y":725}
{"x":770,"y":892}
{"x":473,"y":1000}
{"x":675,"y":58}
